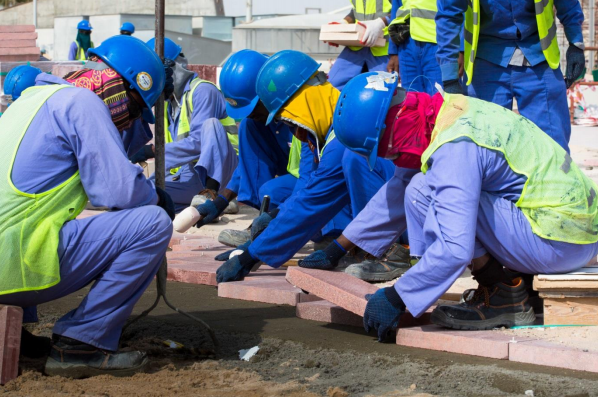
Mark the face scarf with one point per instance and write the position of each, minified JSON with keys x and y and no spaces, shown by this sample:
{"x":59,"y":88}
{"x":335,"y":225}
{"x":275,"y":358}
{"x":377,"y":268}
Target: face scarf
{"x":409,"y":128}
{"x":84,"y":41}
{"x":110,"y":87}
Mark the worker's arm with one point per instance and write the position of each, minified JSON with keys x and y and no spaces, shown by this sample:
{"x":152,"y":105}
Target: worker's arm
{"x":570,"y":14}
{"x":109,"y":179}
{"x":208,"y":102}
{"x":393,"y":49}
{"x":73,"y":51}
{"x":350,"y":18}
{"x":449,"y":23}
{"x":307,"y":165}
{"x":455,"y":179}
{"x":135,"y":137}
{"x":306,"y":212}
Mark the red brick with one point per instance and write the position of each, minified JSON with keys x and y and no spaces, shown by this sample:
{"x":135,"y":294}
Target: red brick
{"x":16,"y":28}
{"x":18,"y":36}
{"x":192,"y":272}
{"x":17,"y":43}
{"x":327,"y":312}
{"x":339,"y":288}
{"x":552,"y":355}
{"x":206,"y":72}
{"x":11,"y":319}
{"x":476,"y":343}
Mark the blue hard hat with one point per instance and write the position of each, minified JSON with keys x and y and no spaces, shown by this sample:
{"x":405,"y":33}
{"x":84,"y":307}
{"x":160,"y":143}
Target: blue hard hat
{"x":237,"y":82}
{"x":138,"y":65}
{"x":281,"y":76}
{"x":361,"y":110}
{"x":128,"y":27}
{"x":84,"y":25}
{"x":19,"y":79}
{"x":171,"y":49}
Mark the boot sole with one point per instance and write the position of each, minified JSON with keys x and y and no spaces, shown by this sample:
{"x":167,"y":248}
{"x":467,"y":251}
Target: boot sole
{"x":229,"y":241}
{"x":504,"y":320}
{"x":382,"y":276}
{"x":81,"y":371}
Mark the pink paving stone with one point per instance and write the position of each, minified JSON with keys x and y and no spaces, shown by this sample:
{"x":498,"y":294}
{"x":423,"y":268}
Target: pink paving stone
{"x":17,"y":28}
{"x":475,"y":343}
{"x":339,"y":288}
{"x":11,"y":318}
{"x":19,"y":36}
{"x":19,"y":58}
{"x":552,"y":355}
{"x":17,"y":43}
{"x":19,"y":51}
{"x":192,"y":272}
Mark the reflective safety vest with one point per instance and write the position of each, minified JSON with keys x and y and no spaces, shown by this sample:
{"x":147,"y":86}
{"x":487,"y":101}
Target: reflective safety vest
{"x":30,"y":223}
{"x":546,"y":31}
{"x":228,"y":123}
{"x":81,"y":56}
{"x":294,"y":157}
{"x":421,"y":14}
{"x":368,"y":10}
{"x":558,"y":200}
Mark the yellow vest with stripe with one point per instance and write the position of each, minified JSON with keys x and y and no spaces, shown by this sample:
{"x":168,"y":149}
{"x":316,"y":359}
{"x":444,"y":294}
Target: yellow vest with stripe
{"x":228,"y":123}
{"x":546,"y":31}
{"x":558,"y":200}
{"x":421,"y":14}
{"x":80,"y":53}
{"x":368,"y":10}
{"x":294,"y":157}
{"x":30,"y":223}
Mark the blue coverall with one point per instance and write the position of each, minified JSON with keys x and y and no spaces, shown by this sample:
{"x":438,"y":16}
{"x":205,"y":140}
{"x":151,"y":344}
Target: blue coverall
{"x":509,"y":61}
{"x":119,"y":252}
{"x":463,"y":208}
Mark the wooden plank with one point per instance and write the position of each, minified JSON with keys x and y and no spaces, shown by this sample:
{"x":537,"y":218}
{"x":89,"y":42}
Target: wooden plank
{"x":565,"y":282}
{"x":573,"y":311}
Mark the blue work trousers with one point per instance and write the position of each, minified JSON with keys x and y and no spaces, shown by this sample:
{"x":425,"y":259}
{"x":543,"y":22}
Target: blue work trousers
{"x":120,"y":253}
{"x":540,"y":92}
{"x":418,"y":67}
{"x":351,"y":63}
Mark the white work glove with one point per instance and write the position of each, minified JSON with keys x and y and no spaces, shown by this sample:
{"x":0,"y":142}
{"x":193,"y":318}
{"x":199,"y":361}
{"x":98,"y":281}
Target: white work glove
{"x":373,"y":31}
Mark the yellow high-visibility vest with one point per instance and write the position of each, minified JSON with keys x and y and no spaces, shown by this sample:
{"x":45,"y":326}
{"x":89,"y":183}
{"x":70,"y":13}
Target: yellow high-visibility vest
{"x":421,"y":14}
{"x":368,"y":10}
{"x":81,"y":56}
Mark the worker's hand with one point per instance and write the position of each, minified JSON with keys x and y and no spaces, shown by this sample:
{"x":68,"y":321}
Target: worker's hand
{"x":169,"y":84}
{"x":576,"y":61}
{"x":236,"y":268}
{"x":398,"y":33}
{"x":326,"y":259}
{"x":461,"y":64}
{"x":211,"y":210}
{"x":224,"y":256}
{"x":382,"y":315}
{"x":373,"y":31}
{"x":393,"y":64}
{"x":165,"y":202}
{"x":452,"y":86}
{"x":145,"y":153}
{"x":261,"y":223}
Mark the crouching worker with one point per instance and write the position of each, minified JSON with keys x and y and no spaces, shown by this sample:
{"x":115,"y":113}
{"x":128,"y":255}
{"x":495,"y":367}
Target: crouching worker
{"x":495,"y":191}
{"x":62,"y":145}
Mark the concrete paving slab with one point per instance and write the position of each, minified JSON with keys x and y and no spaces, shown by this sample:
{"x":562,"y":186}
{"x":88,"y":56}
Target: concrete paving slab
{"x":11,"y":318}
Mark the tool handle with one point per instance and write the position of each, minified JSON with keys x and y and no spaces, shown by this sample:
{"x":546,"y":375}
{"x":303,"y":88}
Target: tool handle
{"x":265,"y":204}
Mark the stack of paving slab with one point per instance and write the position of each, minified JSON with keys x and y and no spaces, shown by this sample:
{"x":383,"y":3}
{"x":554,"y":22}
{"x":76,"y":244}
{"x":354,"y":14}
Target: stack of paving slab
{"x":17,"y":43}
{"x":346,"y":34}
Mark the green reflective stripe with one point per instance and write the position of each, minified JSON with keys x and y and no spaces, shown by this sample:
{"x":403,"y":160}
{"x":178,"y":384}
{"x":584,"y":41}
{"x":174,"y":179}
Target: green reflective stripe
{"x":540,"y":6}
{"x":424,"y":14}
{"x":545,"y":42}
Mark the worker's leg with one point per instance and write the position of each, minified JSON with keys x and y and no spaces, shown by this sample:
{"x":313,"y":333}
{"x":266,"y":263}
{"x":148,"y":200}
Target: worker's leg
{"x":374,"y":63}
{"x":279,"y":189}
{"x":418,"y":197}
{"x":263,"y":155}
{"x":410,"y":66}
{"x":120,"y":252}
{"x":348,"y":65}
{"x":183,"y":186}
{"x":491,"y":83}
{"x":542,"y":98}
{"x":429,"y":67}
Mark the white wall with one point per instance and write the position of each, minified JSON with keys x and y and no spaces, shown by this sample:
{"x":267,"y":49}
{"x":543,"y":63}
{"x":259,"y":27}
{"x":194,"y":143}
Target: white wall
{"x":236,"y":8}
{"x":45,"y":41}
{"x":65,"y":32}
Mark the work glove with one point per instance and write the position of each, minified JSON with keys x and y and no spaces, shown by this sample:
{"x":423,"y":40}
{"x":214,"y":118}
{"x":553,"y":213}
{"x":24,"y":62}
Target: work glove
{"x":165,"y":202}
{"x":224,"y":256}
{"x":236,"y":268}
{"x":452,"y":87}
{"x":145,"y":153}
{"x":169,"y":83}
{"x":399,"y":33}
{"x":326,"y":259}
{"x":211,"y":210}
{"x":373,"y":31}
{"x":382,"y":312}
{"x":576,"y":61}
{"x":261,"y":223}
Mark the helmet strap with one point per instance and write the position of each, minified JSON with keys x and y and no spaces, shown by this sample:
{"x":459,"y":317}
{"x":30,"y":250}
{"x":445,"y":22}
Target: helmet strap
{"x":319,"y":79}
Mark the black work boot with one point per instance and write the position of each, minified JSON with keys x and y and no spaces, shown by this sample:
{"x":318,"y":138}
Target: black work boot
{"x":393,"y":263}
{"x":73,"y":359}
{"x":33,"y":346}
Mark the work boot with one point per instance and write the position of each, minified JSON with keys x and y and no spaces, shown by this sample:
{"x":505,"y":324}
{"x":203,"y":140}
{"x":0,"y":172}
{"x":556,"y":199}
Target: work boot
{"x":488,"y":307}
{"x":73,"y":359}
{"x":33,"y":346}
{"x":394,"y":262}
{"x":234,"y":238}
{"x":232,"y":207}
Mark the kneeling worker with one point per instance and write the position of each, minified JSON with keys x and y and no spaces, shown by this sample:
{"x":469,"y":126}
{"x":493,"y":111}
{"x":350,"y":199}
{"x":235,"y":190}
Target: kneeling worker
{"x":62,"y":145}
{"x":495,"y":191}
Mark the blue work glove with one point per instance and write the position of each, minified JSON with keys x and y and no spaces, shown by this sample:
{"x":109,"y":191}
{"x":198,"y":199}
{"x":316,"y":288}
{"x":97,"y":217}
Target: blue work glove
{"x":452,"y":86}
{"x":326,"y":259}
{"x":211,"y":210}
{"x":169,"y":83}
{"x":383,"y":311}
{"x":576,"y":61}
{"x":224,"y":255}
{"x":236,"y":268}
{"x":261,"y":223}
{"x":165,"y":202}
{"x":145,"y":153}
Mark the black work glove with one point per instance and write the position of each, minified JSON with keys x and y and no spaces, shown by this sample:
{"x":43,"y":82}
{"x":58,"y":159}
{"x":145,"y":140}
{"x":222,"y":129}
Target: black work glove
{"x":326,"y":259}
{"x":576,"y":61}
{"x":165,"y":202}
{"x":211,"y":210}
{"x":145,"y":153}
{"x":399,"y":33}
{"x":169,"y":83}
{"x":236,"y":268}
{"x":261,"y":223}
{"x":383,"y":311}
{"x":452,"y":87}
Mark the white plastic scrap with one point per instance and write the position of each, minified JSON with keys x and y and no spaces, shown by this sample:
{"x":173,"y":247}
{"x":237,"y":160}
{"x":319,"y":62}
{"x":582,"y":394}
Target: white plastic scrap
{"x":376,"y":81}
{"x":246,"y":354}
{"x":529,"y":393}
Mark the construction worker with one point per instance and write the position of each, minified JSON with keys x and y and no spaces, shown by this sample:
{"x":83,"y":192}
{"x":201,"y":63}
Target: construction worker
{"x":199,"y":153}
{"x":511,"y":51}
{"x":494,"y":191}
{"x":63,"y":145}
{"x":127,"y":28}
{"x":375,"y":16}
{"x":412,"y":45}
{"x":79,"y":47}
{"x":290,"y":87}
{"x":19,"y":79}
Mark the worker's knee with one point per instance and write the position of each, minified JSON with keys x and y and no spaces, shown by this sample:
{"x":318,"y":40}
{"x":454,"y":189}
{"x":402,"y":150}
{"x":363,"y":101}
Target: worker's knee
{"x":154,"y":226}
{"x":416,"y":194}
{"x":354,"y":164}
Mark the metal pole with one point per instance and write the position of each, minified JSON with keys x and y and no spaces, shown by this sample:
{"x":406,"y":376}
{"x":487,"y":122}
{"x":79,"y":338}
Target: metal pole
{"x":249,"y":13}
{"x":592,"y":22}
{"x":35,"y":13}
